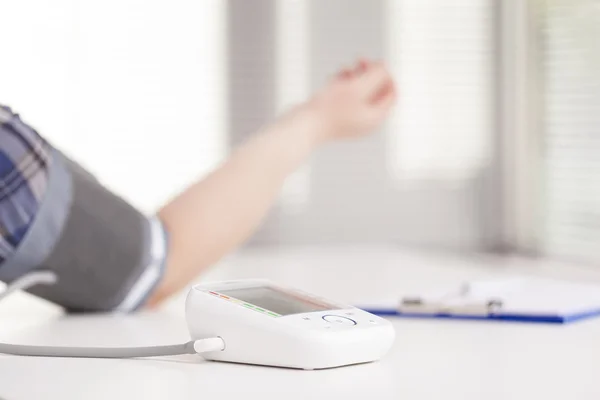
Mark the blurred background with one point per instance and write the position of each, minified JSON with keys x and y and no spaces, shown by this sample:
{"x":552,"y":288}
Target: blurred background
{"x":493,"y":147}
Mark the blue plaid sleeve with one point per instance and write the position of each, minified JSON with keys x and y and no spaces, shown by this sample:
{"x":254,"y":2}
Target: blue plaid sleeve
{"x":24,"y":162}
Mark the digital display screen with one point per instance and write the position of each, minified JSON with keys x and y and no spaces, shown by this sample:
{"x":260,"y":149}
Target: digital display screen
{"x":276,"y":301}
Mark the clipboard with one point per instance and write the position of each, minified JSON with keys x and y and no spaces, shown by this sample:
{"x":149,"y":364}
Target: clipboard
{"x":533,"y":300}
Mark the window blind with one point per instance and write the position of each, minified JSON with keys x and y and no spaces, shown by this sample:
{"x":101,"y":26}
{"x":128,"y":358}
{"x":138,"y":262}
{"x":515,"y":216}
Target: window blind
{"x":571,"y":122}
{"x":442,"y":54}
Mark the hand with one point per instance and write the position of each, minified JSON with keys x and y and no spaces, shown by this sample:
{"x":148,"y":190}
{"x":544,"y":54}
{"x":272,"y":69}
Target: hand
{"x":356,"y":102}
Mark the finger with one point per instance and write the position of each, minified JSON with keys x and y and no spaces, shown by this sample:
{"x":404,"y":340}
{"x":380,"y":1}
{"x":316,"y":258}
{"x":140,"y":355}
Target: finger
{"x":342,"y":74}
{"x":373,"y":81}
{"x":362,"y":66}
{"x":383,"y":93}
{"x":346,"y":74}
{"x":383,"y":105}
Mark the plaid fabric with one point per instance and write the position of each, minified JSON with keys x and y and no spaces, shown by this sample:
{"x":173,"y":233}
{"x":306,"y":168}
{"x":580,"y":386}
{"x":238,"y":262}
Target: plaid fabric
{"x":24,"y":163}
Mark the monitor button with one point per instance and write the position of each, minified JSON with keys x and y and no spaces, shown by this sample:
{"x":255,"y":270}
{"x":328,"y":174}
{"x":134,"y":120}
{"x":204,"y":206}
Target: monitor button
{"x":337,"y":320}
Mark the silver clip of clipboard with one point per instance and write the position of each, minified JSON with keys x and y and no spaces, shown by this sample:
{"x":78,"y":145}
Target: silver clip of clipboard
{"x":454,"y":303}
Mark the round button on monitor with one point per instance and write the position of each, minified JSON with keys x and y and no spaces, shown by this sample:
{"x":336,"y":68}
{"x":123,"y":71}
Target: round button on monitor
{"x":336,"y":319}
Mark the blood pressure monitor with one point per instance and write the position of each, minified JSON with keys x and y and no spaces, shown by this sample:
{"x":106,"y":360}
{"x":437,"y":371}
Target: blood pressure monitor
{"x":267,"y":324}
{"x":251,"y":322}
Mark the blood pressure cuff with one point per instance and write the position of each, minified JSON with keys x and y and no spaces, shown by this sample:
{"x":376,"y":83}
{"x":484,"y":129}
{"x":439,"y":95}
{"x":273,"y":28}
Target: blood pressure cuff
{"x":107,"y":255}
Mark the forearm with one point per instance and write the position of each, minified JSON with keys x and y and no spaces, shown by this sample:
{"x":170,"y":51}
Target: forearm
{"x":214,"y":216}
{"x":217,"y":214}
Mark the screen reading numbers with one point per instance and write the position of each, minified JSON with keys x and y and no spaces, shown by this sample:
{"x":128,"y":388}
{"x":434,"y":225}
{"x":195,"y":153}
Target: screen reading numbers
{"x":276,"y":301}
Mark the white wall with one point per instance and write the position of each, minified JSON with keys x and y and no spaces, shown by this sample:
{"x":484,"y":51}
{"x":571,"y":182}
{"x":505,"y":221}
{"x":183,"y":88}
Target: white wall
{"x":134,"y":90}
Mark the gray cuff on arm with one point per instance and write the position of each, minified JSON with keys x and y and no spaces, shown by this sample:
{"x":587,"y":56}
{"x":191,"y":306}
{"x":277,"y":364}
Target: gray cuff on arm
{"x":107,"y":255}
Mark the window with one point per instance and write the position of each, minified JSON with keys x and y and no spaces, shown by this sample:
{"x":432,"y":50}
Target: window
{"x":442,"y":56}
{"x":134,"y":90}
{"x":571,"y":67}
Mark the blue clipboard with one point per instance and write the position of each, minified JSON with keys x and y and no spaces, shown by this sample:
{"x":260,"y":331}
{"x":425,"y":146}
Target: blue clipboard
{"x":547,"y":319}
{"x":519,"y":299}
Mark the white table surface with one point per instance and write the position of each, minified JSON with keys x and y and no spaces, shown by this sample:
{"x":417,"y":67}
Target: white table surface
{"x":431,"y":359}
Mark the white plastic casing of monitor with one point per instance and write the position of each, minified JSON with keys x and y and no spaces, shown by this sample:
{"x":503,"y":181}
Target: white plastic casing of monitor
{"x":309,"y":332}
